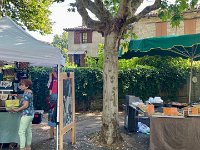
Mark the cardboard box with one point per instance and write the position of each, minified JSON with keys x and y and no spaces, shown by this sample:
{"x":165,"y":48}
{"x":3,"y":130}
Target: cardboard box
{"x":195,"y":110}
{"x":150,"y":109}
{"x":170,"y":111}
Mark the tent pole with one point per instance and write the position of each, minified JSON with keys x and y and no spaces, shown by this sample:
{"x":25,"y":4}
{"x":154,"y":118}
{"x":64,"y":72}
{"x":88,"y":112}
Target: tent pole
{"x":190,"y":82}
{"x":58,"y":105}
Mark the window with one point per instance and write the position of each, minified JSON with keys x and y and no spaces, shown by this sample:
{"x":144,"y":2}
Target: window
{"x":190,"y":26}
{"x":161,"y":29}
{"x":84,"y":37}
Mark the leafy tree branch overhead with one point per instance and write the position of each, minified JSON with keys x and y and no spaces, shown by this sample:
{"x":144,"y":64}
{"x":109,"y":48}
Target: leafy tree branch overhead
{"x":33,"y":14}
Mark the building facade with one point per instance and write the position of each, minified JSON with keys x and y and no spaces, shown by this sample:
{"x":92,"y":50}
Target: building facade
{"x":82,"y":42}
{"x":151,"y":25}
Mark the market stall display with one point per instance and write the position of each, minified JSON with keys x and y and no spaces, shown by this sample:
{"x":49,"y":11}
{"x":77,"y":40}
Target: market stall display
{"x":26,"y":51}
{"x":175,"y":127}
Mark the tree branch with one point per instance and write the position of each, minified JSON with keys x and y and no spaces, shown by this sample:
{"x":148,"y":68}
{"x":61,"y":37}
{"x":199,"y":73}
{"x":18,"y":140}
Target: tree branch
{"x":145,"y":11}
{"x":148,"y":9}
{"x":90,"y":23}
{"x":133,"y":6}
{"x":97,"y":8}
{"x":103,"y":11}
{"x":123,"y":9}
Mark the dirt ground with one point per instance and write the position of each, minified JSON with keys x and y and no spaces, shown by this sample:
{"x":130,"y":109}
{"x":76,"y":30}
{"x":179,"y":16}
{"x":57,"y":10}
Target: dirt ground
{"x":87,"y":127}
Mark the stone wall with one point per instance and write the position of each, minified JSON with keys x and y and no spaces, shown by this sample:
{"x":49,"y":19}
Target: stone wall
{"x":146,"y":27}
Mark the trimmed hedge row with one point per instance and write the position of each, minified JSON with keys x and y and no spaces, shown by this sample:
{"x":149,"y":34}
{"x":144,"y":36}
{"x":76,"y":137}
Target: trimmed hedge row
{"x":142,"y":81}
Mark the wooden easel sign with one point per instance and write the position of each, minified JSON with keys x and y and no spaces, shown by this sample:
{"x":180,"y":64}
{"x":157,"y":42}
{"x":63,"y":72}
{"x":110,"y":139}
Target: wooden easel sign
{"x":67,"y":107}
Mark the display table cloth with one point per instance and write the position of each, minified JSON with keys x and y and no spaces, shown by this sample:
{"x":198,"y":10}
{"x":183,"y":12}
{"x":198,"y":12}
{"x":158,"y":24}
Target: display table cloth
{"x":175,"y":133}
{"x":9,"y":125}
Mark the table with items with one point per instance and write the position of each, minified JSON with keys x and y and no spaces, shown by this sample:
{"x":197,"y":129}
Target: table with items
{"x":173,"y":126}
{"x":9,"y":125}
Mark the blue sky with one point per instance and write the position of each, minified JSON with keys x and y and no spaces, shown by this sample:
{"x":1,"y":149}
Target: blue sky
{"x":63,"y":19}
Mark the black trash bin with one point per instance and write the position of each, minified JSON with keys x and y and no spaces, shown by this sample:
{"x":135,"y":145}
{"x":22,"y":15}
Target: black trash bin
{"x":131,"y":119}
{"x":131,"y":114}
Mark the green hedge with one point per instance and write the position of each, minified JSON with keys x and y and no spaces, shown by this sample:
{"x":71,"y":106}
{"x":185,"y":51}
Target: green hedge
{"x":39,"y":77}
{"x":143,"y":77}
{"x":143,"y":81}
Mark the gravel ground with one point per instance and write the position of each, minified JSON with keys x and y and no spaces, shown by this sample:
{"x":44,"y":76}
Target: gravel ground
{"x":87,"y":126}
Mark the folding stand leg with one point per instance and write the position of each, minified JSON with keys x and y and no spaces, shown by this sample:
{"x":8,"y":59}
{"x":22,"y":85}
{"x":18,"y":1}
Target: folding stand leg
{"x":52,"y":132}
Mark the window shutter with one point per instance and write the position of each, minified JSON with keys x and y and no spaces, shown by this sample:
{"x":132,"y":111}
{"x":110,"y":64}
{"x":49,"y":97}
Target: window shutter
{"x":158,"y":29}
{"x":190,"y":26}
{"x":82,"y":60}
{"x":164,"y":28}
{"x":89,"y":36}
{"x":70,"y":58}
{"x":76,"y":37}
{"x":161,"y":29}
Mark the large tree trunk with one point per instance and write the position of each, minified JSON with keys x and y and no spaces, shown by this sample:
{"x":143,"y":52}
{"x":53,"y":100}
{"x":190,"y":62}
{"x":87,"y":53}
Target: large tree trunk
{"x":110,"y":128}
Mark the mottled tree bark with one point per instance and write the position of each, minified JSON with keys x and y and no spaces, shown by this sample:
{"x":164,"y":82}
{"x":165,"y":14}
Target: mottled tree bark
{"x":110,"y":128}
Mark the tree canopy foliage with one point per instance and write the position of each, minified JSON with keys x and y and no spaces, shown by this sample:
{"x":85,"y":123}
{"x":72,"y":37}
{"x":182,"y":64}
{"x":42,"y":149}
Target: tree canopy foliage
{"x":61,"y":42}
{"x":32,"y":14}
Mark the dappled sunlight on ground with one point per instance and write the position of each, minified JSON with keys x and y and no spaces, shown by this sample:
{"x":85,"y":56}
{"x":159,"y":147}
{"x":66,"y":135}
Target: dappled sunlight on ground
{"x":87,"y":126}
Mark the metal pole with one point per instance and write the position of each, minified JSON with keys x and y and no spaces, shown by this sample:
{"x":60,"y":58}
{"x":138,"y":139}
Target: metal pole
{"x":190,"y":82}
{"x":58,"y":105}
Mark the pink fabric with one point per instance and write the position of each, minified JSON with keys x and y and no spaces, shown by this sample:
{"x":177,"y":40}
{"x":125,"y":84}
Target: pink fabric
{"x":54,"y":87}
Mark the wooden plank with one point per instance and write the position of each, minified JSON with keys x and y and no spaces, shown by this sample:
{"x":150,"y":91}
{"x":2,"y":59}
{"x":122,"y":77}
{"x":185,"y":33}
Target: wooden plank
{"x":62,"y":76}
{"x":68,"y":127}
{"x":51,"y":131}
{"x":73,"y":134}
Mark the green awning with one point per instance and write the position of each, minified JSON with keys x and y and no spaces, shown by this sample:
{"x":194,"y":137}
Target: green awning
{"x":186,"y":46}
{"x":164,"y":42}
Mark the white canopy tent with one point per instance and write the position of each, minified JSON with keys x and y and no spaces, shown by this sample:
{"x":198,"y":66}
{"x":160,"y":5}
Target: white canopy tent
{"x":17,"y":45}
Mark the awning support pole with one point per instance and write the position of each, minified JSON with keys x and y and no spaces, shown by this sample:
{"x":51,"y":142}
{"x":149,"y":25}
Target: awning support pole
{"x":190,"y":82}
{"x":58,"y":105}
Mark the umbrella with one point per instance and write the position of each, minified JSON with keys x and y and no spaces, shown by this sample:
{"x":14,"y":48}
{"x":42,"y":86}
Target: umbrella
{"x":185,"y":46}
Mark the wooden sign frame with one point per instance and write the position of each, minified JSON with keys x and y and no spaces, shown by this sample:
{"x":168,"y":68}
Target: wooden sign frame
{"x":71,"y":126}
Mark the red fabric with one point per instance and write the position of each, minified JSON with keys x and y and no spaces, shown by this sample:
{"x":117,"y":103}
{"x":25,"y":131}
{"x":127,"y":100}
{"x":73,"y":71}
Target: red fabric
{"x":54,"y":89}
{"x":50,"y":106}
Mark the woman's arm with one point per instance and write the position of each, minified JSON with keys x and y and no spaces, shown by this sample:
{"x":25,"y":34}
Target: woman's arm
{"x":16,"y":95}
{"x":24,"y":106}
